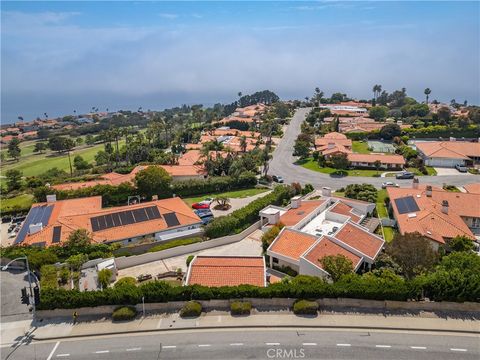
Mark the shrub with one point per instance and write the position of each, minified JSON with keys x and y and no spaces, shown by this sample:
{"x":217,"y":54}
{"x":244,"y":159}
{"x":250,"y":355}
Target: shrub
{"x":126,"y":281}
{"x":240,"y":308}
{"x":175,"y":243}
{"x":189,"y":259}
{"x":305,"y":307}
{"x":124,"y":313}
{"x":286,"y":270}
{"x":191,"y":309}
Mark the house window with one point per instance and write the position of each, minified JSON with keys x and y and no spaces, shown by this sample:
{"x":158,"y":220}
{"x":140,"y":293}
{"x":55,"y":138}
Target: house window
{"x":475,"y":222}
{"x":275,"y":260}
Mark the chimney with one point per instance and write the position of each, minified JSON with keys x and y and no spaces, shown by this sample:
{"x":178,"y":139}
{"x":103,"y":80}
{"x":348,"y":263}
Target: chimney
{"x":35,"y":228}
{"x":51,"y":198}
{"x":415,"y":183}
{"x":296,"y":202}
{"x":326,"y":191}
{"x":445,"y":207}
{"x":428,"y":191}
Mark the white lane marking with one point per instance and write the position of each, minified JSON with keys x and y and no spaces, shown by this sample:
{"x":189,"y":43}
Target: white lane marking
{"x":63,"y":355}
{"x":236,"y":344}
{"x":169,"y":346}
{"x":53,"y":350}
{"x":204,"y":345}
{"x":102,"y":351}
{"x":134,"y":349}
{"x":383,"y":346}
{"x":457,"y":349}
{"x":344,"y":345}
{"x":418,"y":347}
{"x":272,"y":344}
{"x":309,"y":344}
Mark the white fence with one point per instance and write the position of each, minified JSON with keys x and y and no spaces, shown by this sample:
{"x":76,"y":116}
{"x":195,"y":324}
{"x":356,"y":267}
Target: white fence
{"x":129,"y":261}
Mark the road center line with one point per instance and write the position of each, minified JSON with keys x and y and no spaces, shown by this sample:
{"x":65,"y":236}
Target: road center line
{"x":134,"y":349}
{"x":236,"y":344}
{"x":169,"y":347}
{"x":53,"y":350}
{"x":63,"y":355}
{"x":204,"y":345}
{"x":418,"y":347}
{"x":102,"y":351}
{"x":457,"y":349}
{"x":272,"y":344}
{"x":309,"y":344}
{"x":383,"y":346}
{"x":346,"y":345}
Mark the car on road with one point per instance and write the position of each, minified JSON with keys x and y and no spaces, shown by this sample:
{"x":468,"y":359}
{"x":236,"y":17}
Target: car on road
{"x":277,"y":179}
{"x":405,"y":175}
{"x":203,"y":212}
{"x":201,"y":205}
{"x":461,"y":168}
{"x":389,"y":184}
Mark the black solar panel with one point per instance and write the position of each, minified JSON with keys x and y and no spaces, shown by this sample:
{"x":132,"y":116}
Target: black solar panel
{"x":128,"y":218}
{"x":57,"y":232}
{"x":171,"y":219}
{"x":36,"y":215}
{"x":109,"y":221}
{"x":124,"y":218}
{"x":140,"y":215}
{"x":406,"y":205}
{"x":116,"y":219}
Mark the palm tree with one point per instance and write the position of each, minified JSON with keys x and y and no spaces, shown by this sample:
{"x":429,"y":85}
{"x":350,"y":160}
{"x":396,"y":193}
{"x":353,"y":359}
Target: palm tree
{"x":223,"y":202}
{"x":265,"y":158}
{"x":239,"y":97}
{"x":377,"y":89}
{"x":243,"y":143}
{"x":116,"y":135}
{"x":427,"y":92}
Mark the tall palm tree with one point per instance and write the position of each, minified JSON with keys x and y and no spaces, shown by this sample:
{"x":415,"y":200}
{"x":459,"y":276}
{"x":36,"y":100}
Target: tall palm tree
{"x":243,"y":143}
{"x":427,"y":92}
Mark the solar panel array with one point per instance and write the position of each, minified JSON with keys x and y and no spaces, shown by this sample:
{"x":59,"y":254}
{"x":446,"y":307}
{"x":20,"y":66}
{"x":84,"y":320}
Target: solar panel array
{"x":406,"y":205}
{"x":57,"y":232}
{"x":171,"y":219}
{"x":37,"y":214}
{"x":122,"y":218}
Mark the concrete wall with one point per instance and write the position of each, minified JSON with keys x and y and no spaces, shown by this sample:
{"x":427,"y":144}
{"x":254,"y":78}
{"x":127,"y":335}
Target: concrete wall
{"x":125,"y":262}
{"x":340,"y":304}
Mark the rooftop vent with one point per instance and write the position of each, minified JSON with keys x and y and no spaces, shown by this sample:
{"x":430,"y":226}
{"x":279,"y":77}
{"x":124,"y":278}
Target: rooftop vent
{"x":412,"y":215}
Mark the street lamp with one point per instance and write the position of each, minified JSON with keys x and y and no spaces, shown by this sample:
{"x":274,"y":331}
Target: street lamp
{"x":29,"y":278}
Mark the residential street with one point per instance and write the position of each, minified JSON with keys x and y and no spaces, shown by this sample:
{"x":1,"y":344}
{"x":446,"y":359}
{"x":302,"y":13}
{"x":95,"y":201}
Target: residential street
{"x":283,"y":164}
{"x":257,"y":344}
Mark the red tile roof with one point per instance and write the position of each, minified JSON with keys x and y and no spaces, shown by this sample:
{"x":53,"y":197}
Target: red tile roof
{"x":326,"y":247}
{"x":292,"y":243}
{"x":472,"y":188}
{"x":449,"y":149}
{"x":215,"y":271}
{"x":371,"y":158}
{"x":344,"y":209}
{"x":293,"y":216}
{"x":360,"y":239}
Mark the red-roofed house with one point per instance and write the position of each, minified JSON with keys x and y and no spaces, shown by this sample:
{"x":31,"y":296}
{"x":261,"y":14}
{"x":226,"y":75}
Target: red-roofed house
{"x":387,"y":161}
{"x":216,"y":271}
{"x":449,"y":153}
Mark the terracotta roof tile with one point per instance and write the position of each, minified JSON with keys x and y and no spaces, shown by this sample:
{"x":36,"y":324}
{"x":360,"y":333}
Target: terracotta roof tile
{"x":344,"y":209}
{"x":326,"y":247}
{"x":360,"y":239}
{"x":371,"y":158}
{"x":449,"y":149}
{"x":293,"y":216}
{"x":292,"y":243}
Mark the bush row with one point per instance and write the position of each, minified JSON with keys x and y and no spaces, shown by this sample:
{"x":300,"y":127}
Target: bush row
{"x":386,"y":286}
{"x":240,"y":219}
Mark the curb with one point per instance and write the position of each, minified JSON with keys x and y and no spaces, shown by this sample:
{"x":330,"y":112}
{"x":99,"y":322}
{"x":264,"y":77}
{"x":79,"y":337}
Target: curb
{"x":34,"y":337}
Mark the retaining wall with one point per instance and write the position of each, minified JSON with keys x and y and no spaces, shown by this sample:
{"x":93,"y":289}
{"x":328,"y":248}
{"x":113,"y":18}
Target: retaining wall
{"x":129,"y":261}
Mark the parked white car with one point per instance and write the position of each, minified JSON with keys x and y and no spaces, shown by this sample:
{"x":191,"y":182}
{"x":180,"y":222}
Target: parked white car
{"x":389,"y":184}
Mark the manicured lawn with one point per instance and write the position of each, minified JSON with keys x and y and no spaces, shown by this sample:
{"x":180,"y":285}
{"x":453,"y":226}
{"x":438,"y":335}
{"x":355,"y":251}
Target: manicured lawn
{"x":360,"y":147}
{"x":230,"y":194}
{"x":389,"y":233}
{"x":430,"y":170}
{"x":381,"y":209}
{"x":23,"y":201}
{"x":311,"y":164}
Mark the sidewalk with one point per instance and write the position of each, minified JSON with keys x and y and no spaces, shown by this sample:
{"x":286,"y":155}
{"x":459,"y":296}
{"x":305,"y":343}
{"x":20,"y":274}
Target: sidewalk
{"x":216,"y":319}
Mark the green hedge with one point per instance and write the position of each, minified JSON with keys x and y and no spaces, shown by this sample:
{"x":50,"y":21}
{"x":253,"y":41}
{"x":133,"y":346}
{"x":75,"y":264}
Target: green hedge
{"x":175,"y":243}
{"x":191,"y":309}
{"x":386,"y":286}
{"x":305,"y":307}
{"x":435,"y":131}
{"x":240,"y":308}
{"x":124,"y":313}
{"x":242,"y":218}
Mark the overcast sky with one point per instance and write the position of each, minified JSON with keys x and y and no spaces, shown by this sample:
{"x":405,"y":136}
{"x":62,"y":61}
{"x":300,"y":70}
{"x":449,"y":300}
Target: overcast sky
{"x":61,"y":56}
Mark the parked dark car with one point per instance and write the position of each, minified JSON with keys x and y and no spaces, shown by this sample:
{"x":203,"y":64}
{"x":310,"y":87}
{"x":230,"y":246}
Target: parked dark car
{"x":405,"y":175}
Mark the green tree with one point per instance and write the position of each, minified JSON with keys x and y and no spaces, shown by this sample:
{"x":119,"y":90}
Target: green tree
{"x":336,"y":266}
{"x":101,"y":158}
{"x":389,"y":131}
{"x":76,"y":261}
{"x":460,"y":243}
{"x":89,"y":139}
{"x":14,"y":150}
{"x":104,"y":277}
{"x":301,"y":149}
{"x":378,"y":112}
{"x":79,"y":141}
{"x":79,"y":163}
{"x":14,"y":179}
{"x":79,"y":238}
{"x":377,"y":164}
{"x":153,"y":180}
{"x":223,"y":202}
{"x":40,"y":147}
{"x":414,"y":253}
{"x":339,"y":161}
{"x":243,"y":143}
{"x":69,"y":144}
{"x":427,"y":92}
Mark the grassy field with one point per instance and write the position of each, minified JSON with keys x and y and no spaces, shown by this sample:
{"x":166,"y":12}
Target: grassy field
{"x":23,"y":201}
{"x":313,"y":165}
{"x":360,"y":147}
{"x":230,"y":194}
{"x":430,"y":172}
{"x":381,"y":209}
{"x":388,"y":233}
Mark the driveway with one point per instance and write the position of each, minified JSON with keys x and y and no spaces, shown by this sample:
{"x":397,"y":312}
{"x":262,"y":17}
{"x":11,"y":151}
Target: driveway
{"x":450,"y":171}
{"x":11,"y":305}
{"x":250,"y":246}
{"x":283,"y":160}
{"x":237,"y":203}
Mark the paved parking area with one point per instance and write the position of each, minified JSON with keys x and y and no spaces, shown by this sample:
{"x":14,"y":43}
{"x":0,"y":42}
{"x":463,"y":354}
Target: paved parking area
{"x":237,"y":203}
{"x":12,"y":281}
{"x":450,"y":171}
{"x":250,"y":246}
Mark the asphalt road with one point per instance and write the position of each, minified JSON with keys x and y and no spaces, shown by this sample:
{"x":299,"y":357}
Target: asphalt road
{"x":283,"y":161}
{"x":257,"y":344}
{"x":11,"y":283}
